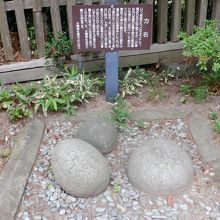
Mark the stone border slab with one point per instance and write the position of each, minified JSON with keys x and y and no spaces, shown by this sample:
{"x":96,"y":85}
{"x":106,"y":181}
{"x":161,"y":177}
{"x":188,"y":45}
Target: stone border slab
{"x":201,"y":130}
{"x":159,"y":115}
{"x":15,"y":174}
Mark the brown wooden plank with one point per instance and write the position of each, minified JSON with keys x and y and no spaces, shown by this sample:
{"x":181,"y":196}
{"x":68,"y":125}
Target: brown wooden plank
{"x":5,"y":35}
{"x":70,"y":3}
{"x":169,"y":51}
{"x":162,"y":21}
{"x":55,"y":17}
{"x":39,"y":28}
{"x":216,"y":11}
{"x":189,"y":16}
{"x":176,"y":20}
{"x":9,"y":6}
{"x":22,"y":29}
{"x":202,"y":12}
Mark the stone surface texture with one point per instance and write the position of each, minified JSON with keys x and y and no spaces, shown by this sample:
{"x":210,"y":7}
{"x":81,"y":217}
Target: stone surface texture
{"x":79,"y":168}
{"x":160,"y":167}
{"x":15,"y":174}
{"x":100,"y":132}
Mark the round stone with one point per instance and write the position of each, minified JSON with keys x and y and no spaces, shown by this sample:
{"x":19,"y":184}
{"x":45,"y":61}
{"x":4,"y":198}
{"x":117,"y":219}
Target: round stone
{"x":79,"y":168}
{"x":100,"y":132}
{"x":160,"y":167}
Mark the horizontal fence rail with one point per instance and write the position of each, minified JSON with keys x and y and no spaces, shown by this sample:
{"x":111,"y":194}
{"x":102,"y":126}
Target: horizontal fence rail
{"x":170,"y":18}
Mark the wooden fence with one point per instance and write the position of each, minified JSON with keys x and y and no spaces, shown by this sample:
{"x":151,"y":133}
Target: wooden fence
{"x":167,"y":26}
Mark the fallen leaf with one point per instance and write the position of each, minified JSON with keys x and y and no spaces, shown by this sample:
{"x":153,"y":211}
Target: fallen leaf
{"x":170,"y":200}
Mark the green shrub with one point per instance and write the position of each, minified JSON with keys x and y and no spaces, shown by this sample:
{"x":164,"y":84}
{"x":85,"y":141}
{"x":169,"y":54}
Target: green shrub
{"x":200,"y":93}
{"x":204,"y":45}
{"x":58,"y":49}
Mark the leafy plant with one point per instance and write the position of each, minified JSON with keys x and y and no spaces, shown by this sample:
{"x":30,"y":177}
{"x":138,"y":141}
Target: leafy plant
{"x":204,"y":45}
{"x":186,"y":89}
{"x":213,"y":116}
{"x":200,"y":93}
{"x":167,"y":76}
{"x":58,"y":49}
{"x":120,"y":112}
{"x":49,"y":94}
{"x":133,"y":80}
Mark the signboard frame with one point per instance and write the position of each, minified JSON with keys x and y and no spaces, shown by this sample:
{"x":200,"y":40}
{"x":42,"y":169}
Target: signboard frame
{"x":111,"y":52}
{"x":112,"y":27}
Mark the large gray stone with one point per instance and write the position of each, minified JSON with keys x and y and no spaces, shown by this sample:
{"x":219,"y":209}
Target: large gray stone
{"x":79,"y":168}
{"x":160,"y":167}
{"x":100,"y":132}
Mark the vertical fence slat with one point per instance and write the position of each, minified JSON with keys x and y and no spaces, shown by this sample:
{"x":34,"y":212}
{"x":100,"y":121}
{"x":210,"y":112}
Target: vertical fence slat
{"x":189,"y":16}
{"x":70,"y":3}
{"x":5,"y":35}
{"x":216,"y":11}
{"x":22,"y":29}
{"x":55,"y":17}
{"x":202,"y":12}
{"x":176,"y":20}
{"x":162,"y":21}
{"x":149,"y":1}
{"x":88,"y":2}
{"x":134,"y":1}
{"x":39,"y":27}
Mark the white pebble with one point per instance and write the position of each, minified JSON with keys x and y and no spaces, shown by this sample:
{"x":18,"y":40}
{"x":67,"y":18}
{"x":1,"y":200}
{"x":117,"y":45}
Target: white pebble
{"x":62,"y":211}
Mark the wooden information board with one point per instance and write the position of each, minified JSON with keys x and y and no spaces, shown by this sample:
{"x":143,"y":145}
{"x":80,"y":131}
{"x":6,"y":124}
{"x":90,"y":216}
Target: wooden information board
{"x":112,"y":27}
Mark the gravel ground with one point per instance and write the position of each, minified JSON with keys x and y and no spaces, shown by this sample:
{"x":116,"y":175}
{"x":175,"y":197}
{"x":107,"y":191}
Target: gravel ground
{"x":43,"y":198}
{"x":8,"y":134}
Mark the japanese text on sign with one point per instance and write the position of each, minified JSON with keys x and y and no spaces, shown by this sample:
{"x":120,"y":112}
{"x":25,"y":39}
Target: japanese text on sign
{"x":112,"y":27}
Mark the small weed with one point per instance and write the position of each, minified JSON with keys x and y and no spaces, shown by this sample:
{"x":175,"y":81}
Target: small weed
{"x":167,"y":76}
{"x":142,"y":124}
{"x":216,"y":122}
{"x":183,"y":100}
{"x":186,"y":89}
{"x":117,"y":186}
{"x":217,"y":126}
{"x":200,"y":93}
{"x":120,"y":113}
{"x":213,"y":116}
{"x":156,"y":94}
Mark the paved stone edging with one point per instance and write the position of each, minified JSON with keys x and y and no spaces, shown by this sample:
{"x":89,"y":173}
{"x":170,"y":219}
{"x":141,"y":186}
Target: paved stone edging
{"x":136,"y":114}
{"x":202,"y":130}
{"x":15,"y":174}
